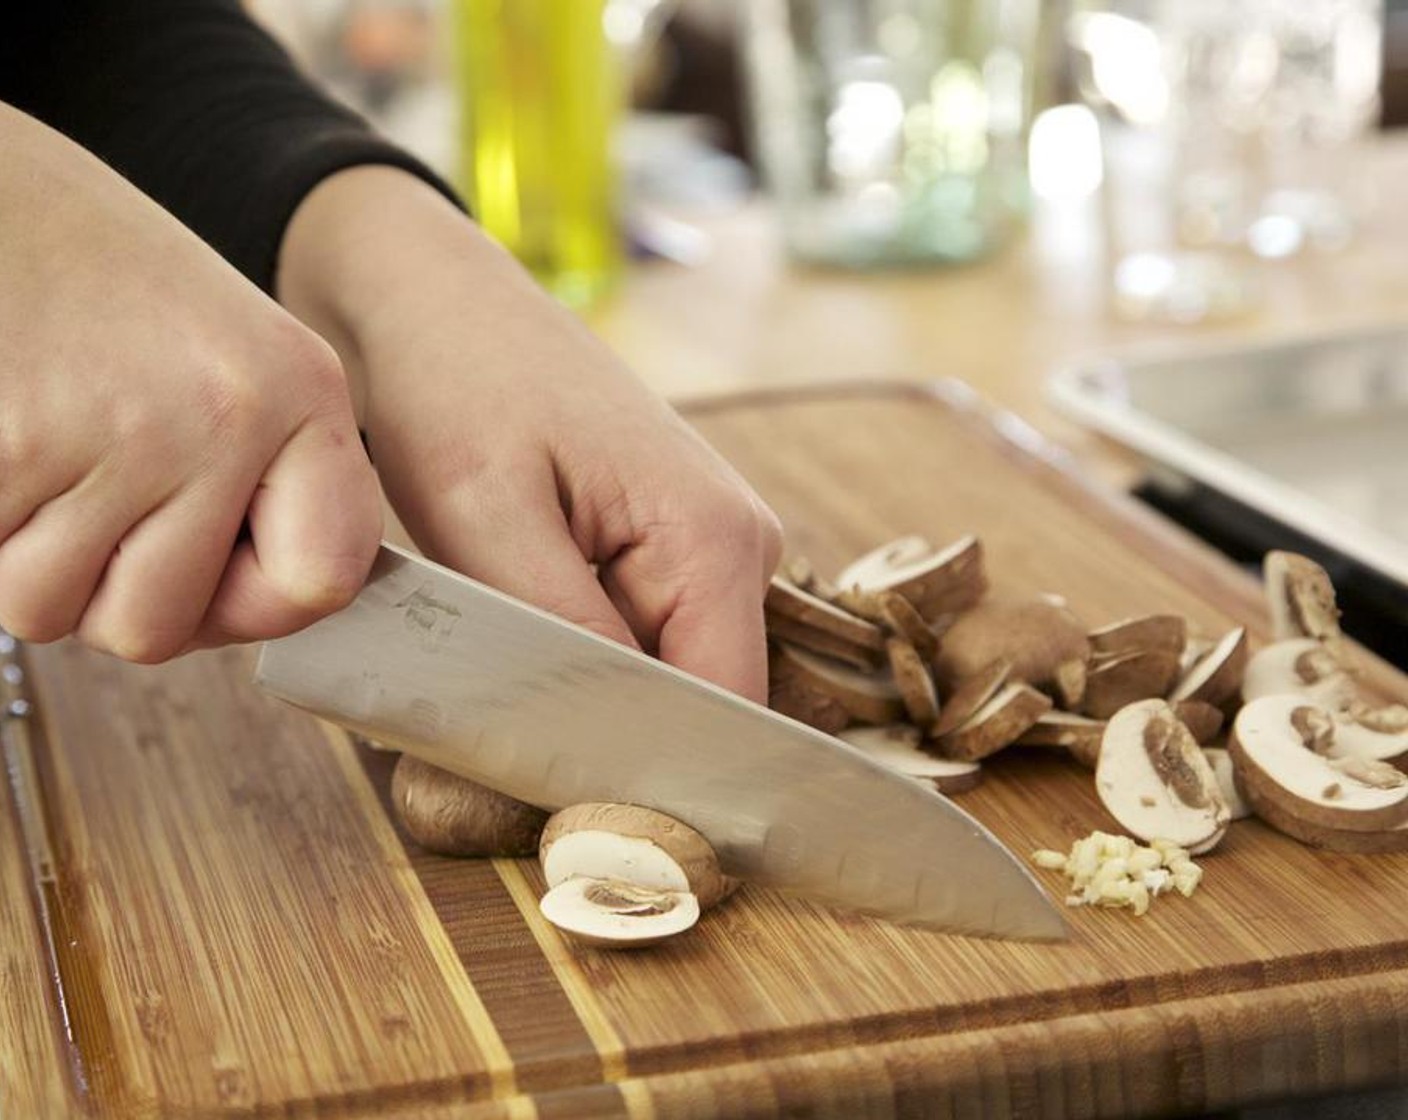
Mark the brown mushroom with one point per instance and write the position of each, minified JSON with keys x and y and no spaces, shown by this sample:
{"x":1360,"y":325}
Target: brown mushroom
{"x":1043,"y":642}
{"x":454,"y":816}
{"x":997,"y":724}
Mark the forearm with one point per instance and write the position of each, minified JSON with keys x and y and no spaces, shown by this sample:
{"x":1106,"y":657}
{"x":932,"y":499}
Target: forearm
{"x":373,"y":255}
{"x":196,"y":105}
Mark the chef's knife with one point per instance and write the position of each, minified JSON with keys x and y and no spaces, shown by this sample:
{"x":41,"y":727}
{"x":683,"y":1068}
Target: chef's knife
{"x":474,"y":681}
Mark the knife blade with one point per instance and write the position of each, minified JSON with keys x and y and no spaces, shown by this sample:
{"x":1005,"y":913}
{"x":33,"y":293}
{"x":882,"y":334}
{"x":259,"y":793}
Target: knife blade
{"x":474,"y":681}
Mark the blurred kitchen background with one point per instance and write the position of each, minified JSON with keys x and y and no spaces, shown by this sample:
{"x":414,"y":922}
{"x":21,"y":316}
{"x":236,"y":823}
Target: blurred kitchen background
{"x":888,"y":132}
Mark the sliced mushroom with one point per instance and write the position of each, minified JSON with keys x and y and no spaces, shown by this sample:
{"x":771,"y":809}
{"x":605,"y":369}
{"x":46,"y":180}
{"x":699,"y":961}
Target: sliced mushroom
{"x":911,"y":675}
{"x":1330,"y":839}
{"x":1217,"y":677}
{"x":971,"y":695}
{"x":1043,"y":642}
{"x":1285,"y":752}
{"x":1301,"y":598}
{"x":800,"y":572}
{"x":896,"y":746}
{"x":1224,"y":770}
{"x":823,"y":642}
{"x":623,"y":875}
{"x":1373,"y":732}
{"x":786,"y":600}
{"x":1154,"y":780}
{"x":1299,"y":665}
{"x":937,"y":583}
{"x":794,"y":692}
{"x":996,"y":724}
{"x":903,"y":620}
{"x":454,"y":816}
{"x":1166,"y":632}
{"x":1122,"y":679}
{"x":1079,"y":736}
{"x":868,"y":697}
{"x":1202,"y":720}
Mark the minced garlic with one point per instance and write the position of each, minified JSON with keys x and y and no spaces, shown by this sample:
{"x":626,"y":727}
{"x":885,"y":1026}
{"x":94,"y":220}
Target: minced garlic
{"x":1115,"y":871}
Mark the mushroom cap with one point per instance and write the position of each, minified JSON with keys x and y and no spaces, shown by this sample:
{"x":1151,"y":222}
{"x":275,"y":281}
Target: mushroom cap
{"x":1201,"y":719}
{"x":1121,"y":679}
{"x":631,"y":844}
{"x":1330,"y":839}
{"x":1153,"y":778}
{"x":615,"y":915}
{"x":1167,"y":632}
{"x":454,"y":816}
{"x":970,"y":695}
{"x":1269,"y":747}
{"x":997,"y":724}
{"x":869,"y":697}
{"x":1034,"y":635}
{"x":896,"y":746}
{"x":1217,"y":677}
{"x":1299,"y":665}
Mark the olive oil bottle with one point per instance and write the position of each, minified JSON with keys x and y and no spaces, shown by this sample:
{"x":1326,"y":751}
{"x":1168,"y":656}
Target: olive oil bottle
{"x":540,"y":92}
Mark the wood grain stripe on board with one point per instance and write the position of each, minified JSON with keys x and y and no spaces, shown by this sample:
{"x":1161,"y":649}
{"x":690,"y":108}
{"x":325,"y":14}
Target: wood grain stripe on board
{"x":574,"y":983}
{"x":420,"y":910}
{"x":521,"y":992}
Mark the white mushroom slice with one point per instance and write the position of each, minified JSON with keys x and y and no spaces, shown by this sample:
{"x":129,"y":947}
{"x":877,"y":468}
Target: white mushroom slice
{"x":937,"y":583}
{"x":911,"y":675}
{"x":1372,"y":733}
{"x":1301,"y":598}
{"x":1154,"y":780}
{"x":879,"y":564}
{"x":1284,"y":749}
{"x":897,"y":747}
{"x":1079,"y":736}
{"x":1042,"y":642}
{"x":996,"y":724}
{"x":789,"y":601}
{"x":1167,"y":632}
{"x":868,"y":697}
{"x":617,"y":915}
{"x":1217,"y":677}
{"x":635,"y":845}
{"x":1299,"y":665}
{"x":1224,"y":770}
{"x":1121,"y":680}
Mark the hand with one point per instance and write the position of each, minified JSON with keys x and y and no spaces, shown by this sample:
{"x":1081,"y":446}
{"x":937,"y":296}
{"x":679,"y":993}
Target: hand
{"x":515,"y":447}
{"x":151,"y":402}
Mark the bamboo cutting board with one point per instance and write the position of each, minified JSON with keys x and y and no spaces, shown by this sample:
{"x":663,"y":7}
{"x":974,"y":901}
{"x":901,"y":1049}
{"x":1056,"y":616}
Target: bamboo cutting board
{"x":204,"y":907}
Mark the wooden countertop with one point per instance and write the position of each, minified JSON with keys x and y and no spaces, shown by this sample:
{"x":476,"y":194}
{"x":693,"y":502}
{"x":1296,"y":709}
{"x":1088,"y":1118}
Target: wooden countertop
{"x":746,"y":319}
{"x":206,"y":910}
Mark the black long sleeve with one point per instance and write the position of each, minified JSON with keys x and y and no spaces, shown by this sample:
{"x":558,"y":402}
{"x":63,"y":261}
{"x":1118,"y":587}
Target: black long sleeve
{"x":193,"y":103}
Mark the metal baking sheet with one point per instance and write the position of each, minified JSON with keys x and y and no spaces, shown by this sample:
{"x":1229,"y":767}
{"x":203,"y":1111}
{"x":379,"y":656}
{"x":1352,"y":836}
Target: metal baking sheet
{"x":1312,"y":433}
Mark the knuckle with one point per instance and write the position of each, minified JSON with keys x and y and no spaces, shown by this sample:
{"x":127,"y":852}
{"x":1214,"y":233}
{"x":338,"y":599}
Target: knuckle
{"x":309,"y":358}
{"x":323,"y":585}
{"x":141,"y":646}
{"x":34,"y":620}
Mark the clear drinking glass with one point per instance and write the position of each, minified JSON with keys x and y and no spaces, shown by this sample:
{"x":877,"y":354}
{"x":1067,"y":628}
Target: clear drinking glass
{"x":892,"y":131}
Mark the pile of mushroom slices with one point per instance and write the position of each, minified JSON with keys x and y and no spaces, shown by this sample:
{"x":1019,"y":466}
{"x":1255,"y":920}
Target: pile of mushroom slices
{"x":907,"y":656}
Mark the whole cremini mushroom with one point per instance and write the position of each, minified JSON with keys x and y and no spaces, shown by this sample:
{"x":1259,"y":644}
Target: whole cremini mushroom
{"x":1043,"y":641}
{"x":454,"y":816}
